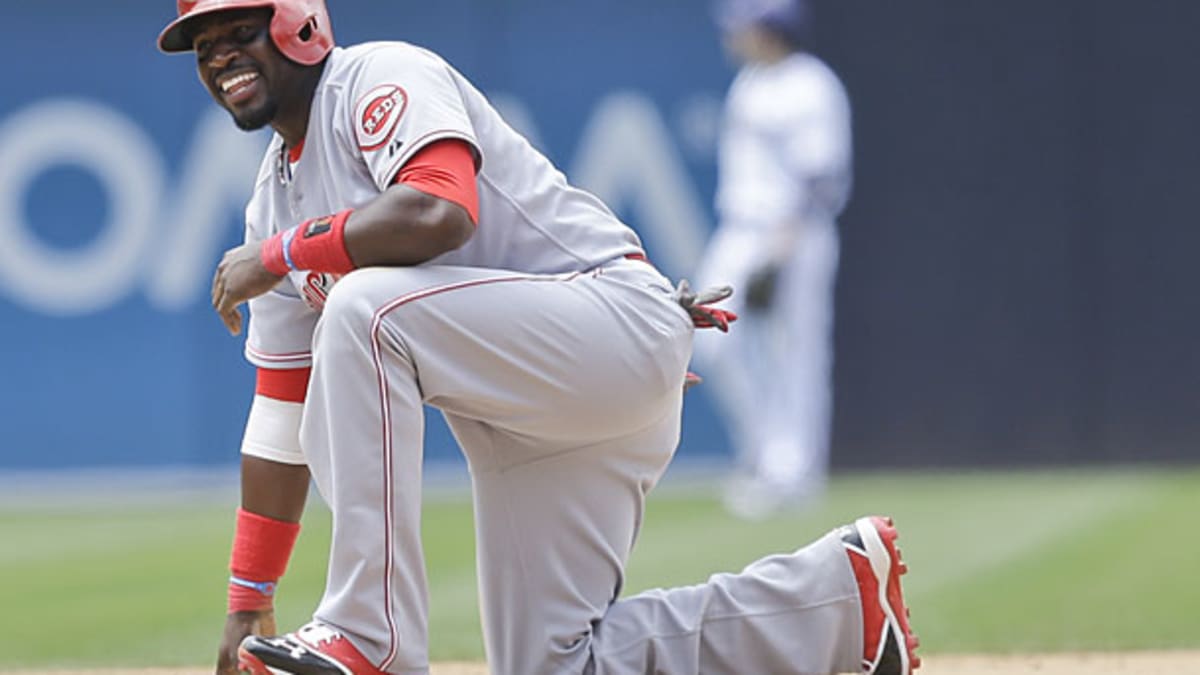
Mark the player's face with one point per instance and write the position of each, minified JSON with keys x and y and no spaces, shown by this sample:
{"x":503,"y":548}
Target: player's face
{"x":753,"y":45}
{"x":240,"y":65}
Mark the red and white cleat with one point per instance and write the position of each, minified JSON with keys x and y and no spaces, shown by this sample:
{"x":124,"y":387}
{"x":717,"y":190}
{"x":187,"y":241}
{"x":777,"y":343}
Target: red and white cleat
{"x":315,"y":649}
{"x":889,"y":643}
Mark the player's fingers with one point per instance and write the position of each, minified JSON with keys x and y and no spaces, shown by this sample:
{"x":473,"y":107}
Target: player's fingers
{"x":218,"y":288}
{"x":221,"y":303}
{"x":227,"y":657}
{"x":233,"y":321}
{"x":226,"y":307}
{"x":266,"y":625}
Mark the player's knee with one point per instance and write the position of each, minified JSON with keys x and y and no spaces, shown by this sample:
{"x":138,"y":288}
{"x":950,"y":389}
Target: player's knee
{"x":358,"y":299}
{"x":349,"y":309}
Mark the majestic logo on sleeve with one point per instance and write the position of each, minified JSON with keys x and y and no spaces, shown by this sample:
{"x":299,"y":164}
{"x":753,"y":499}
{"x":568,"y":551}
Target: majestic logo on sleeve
{"x":376,"y":115}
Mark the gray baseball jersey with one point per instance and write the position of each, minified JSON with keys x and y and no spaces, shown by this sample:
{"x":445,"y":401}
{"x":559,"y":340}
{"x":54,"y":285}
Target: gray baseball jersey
{"x":557,"y":361}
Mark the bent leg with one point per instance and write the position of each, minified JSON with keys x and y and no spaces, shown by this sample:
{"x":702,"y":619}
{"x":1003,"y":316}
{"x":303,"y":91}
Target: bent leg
{"x":579,"y":377}
{"x":553,"y":538}
{"x":362,"y":436}
{"x":789,"y":613}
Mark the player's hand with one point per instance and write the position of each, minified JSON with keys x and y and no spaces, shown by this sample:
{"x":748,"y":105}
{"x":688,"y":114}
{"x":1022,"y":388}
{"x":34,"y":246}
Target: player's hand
{"x":237,"y":626}
{"x":761,"y":287}
{"x":239,"y":277}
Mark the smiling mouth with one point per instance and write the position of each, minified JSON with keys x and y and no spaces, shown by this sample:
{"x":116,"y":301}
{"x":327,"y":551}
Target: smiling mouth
{"x":236,"y":86}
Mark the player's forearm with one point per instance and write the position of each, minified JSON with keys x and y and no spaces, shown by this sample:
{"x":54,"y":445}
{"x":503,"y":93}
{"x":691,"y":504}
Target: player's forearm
{"x":405,"y":226}
{"x":273,"y":489}
{"x":268,"y":523}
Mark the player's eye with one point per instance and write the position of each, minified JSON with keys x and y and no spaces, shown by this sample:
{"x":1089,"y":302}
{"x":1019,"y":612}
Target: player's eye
{"x":244,"y":35}
{"x":203,"y":49}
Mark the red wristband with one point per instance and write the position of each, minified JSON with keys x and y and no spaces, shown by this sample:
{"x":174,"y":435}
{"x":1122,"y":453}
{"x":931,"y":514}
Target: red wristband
{"x":243,"y":598}
{"x":318,"y":245}
{"x":261,"y":549}
{"x":271,"y":255}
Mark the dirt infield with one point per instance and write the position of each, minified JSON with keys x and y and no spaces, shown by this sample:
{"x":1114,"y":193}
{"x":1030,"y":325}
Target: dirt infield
{"x":1124,"y":663}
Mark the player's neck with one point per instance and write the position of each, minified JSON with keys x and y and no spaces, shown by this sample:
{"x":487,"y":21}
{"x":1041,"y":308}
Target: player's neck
{"x":772,"y":54}
{"x":291,"y":122}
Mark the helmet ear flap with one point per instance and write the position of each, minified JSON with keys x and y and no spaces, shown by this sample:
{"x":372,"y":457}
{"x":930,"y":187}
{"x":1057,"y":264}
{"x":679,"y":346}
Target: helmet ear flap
{"x":302,"y":31}
{"x":308,"y":30}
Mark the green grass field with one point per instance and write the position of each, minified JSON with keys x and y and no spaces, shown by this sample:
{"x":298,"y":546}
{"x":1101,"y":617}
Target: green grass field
{"x":1001,"y":562}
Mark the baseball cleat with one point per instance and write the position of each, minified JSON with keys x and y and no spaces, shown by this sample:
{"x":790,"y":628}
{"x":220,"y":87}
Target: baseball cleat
{"x":888,"y":640}
{"x":315,"y":649}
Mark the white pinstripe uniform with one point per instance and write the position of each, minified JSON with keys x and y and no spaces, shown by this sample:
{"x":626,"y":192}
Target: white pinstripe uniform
{"x":784,"y":178}
{"x":558,"y":364}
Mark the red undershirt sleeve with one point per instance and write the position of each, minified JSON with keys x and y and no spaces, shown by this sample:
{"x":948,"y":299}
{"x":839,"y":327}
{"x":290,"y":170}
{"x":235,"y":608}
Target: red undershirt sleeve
{"x":444,"y":169}
{"x":289,"y":384}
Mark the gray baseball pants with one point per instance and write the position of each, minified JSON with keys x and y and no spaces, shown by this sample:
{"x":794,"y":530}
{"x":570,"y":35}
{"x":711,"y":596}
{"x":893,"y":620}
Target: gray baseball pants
{"x":565,"y":394}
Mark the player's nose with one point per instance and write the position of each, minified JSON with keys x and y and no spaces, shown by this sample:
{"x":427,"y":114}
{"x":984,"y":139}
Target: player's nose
{"x":221,"y":58}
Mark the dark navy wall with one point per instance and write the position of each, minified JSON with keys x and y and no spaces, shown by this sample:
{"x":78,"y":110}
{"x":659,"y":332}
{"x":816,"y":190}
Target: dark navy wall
{"x":1019,"y":279}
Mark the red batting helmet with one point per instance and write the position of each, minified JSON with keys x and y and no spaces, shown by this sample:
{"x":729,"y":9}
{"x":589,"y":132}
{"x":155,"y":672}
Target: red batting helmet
{"x":299,"y":28}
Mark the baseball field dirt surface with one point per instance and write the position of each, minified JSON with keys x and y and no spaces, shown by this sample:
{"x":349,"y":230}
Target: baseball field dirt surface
{"x":1125,"y":663}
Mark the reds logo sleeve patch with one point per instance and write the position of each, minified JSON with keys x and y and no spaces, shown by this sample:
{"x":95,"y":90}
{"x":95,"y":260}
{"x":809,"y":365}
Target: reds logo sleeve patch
{"x":377,"y":114}
{"x":316,"y":288}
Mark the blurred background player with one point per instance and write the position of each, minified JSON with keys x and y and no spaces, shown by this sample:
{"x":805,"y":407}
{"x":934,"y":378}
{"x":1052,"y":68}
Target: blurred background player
{"x":784,"y":176}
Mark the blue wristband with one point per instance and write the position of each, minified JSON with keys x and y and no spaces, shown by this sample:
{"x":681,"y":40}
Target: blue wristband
{"x":288,"y":236}
{"x":267,"y":588}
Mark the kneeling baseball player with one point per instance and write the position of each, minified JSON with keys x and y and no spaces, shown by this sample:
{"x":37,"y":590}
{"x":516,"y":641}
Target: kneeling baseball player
{"x":404,"y":246}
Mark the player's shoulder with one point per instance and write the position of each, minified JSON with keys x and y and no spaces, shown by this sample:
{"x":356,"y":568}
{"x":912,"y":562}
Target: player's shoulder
{"x":392,"y":49}
{"x":800,"y":82}
{"x":346,"y":64}
{"x":809,"y":78}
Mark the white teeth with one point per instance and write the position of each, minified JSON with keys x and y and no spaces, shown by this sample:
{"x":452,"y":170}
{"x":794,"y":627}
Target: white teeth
{"x":229,"y":84}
